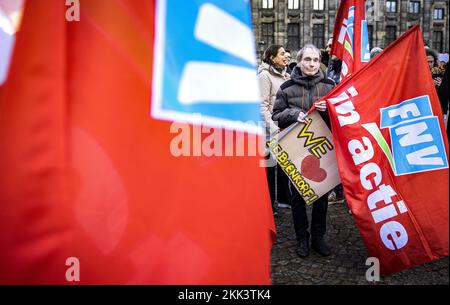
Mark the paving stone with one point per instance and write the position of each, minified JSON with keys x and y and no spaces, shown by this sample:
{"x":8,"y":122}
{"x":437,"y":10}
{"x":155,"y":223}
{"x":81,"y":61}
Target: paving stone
{"x":346,"y":265}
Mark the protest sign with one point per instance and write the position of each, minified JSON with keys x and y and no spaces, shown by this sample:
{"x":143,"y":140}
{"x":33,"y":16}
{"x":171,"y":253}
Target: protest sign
{"x":305,"y":152}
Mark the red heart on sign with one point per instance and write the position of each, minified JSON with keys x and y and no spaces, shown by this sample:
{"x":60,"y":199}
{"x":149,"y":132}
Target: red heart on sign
{"x":311,"y":169}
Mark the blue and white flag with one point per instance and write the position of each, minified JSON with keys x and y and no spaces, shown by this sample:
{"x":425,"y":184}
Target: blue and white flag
{"x":205,"y":64}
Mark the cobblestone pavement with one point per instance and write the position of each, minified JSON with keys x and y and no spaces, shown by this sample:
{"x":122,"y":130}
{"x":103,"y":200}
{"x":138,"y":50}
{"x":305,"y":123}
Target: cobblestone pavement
{"x":346,"y":265}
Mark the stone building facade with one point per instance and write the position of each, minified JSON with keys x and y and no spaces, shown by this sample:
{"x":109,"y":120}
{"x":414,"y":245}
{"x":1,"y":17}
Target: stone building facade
{"x":293,"y":23}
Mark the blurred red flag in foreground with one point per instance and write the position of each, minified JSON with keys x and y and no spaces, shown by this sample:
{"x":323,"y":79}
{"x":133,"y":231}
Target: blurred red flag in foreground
{"x":87,"y":173}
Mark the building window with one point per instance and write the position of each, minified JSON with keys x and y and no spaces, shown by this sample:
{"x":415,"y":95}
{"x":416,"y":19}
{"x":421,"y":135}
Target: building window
{"x":267,"y":30}
{"x":414,"y":7}
{"x":318,"y":37}
{"x":391,"y":6}
{"x":370,"y":30}
{"x":438,"y":13}
{"x":293,"y":4}
{"x":370,"y":8}
{"x":293,"y":36}
{"x":437,"y":40}
{"x":390,"y":34}
{"x":318,"y":5}
{"x":267,"y":4}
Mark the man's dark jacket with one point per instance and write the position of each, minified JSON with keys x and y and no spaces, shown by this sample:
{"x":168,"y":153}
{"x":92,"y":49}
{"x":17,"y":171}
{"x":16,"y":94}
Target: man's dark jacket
{"x":298,"y":95}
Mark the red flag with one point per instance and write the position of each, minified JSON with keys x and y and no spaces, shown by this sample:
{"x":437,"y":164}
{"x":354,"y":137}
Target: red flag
{"x":87,"y":180}
{"x":392,"y":155}
{"x":350,"y":36}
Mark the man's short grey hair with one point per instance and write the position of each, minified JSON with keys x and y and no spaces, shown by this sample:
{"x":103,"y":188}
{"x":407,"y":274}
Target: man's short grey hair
{"x":303,"y":50}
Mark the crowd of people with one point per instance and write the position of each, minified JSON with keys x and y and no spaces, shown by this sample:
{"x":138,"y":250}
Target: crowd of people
{"x":291,"y":82}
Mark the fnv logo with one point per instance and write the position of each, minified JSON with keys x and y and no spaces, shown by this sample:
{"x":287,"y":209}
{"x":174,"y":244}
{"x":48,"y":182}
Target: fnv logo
{"x":204,"y":64}
{"x":415,"y":135}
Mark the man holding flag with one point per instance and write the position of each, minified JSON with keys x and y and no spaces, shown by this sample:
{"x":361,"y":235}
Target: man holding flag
{"x":390,"y":143}
{"x":307,"y":85}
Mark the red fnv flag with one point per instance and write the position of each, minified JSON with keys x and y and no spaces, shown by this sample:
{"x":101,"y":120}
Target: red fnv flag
{"x":392,"y":155}
{"x":350,"y":36}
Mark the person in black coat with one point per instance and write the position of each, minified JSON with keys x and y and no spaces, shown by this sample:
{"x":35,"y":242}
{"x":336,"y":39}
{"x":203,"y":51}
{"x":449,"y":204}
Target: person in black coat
{"x":294,"y":98}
